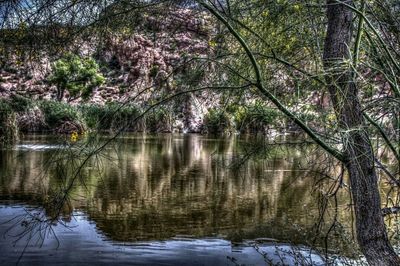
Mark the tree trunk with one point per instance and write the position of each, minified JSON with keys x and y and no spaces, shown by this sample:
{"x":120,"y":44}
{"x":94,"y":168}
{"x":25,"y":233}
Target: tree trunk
{"x":359,"y":158}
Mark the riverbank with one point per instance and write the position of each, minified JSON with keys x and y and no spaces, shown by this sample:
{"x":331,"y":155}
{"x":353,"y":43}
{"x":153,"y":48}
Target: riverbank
{"x":20,"y":115}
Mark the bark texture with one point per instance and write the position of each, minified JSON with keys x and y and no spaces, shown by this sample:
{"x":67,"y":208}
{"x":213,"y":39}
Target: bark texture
{"x":359,"y":158}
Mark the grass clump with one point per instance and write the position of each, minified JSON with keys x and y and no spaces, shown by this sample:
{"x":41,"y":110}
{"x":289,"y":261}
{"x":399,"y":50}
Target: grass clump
{"x":20,"y":104}
{"x":8,"y":124}
{"x":158,"y":120}
{"x":57,"y":113}
{"x":255,"y":118}
{"x":218,"y":121}
{"x":252,"y":118}
{"x":111,"y":116}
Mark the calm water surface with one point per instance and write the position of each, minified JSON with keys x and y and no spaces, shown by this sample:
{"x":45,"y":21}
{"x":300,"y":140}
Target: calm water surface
{"x":159,"y":200}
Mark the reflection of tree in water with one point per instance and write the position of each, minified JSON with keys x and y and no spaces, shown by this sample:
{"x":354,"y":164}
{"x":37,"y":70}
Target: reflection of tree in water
{"x":161,"y":186}
{"x":164,"y":193}
{"x":20,"y":175}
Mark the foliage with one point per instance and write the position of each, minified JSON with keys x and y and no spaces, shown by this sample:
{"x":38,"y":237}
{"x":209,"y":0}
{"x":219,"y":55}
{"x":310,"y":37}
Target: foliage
{"x":192,"y":75}
{"x":79,"y":76}
{"x":158,"y":120}
{"x":19,"y":103}
{"x":58,"y":112}
{"x":250,"y":118}
{"x":109,"y":116}
{"x":154,"y":71}
{"x":255,"y":117}
{"x":5,"y":108}
{"x":218,"y":121}
{"x":8,"y":125}
{"x":272,"y":49}
{"x":15,"y":116}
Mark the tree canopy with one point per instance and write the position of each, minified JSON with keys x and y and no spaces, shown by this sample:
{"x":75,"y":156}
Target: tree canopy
{"x":79,"y":76}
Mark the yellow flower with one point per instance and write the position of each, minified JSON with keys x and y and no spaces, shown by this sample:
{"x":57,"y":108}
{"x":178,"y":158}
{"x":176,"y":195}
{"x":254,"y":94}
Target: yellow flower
{"x":212,"y":43}
{"x":331,"y":117}
{"x":74,"y":136}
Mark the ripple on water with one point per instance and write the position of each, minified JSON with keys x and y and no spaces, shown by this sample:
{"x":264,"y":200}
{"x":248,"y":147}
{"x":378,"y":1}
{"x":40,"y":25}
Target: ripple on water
{"x":38,"y":147}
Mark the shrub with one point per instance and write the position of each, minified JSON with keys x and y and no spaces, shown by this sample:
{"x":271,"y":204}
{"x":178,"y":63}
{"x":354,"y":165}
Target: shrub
{"x":5,"y":108}
{"x":217,"y":121}
{"x":56,"y":113}
{"x":126,"y":115}
{"x":20,"y":104}
{"x":79,"y":76}
{"x":91,"y":114}
{"x":158,"y":120}
{"x":8,"y":125}
{"x":255,"y":118}
{"x":5,"y":111}
{"x":108,"y":117}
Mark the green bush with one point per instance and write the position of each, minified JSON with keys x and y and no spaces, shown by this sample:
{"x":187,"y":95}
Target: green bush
{"x":154,"y":71}
{"x":91,"y":114}
{"x":309,"y":117}
{"x":77,"y":75}
{"x":5,"y":111}
{"x":58,"y":112}
{"x":158,"y":120}
{"x":20,"y":104}
{"x":108,"y":117}
{"x":217,"y":121}
{"x":126,"y":115}
{"x":255,"y":118}
{"x":8,"y":125}
{"x":5,"y":107}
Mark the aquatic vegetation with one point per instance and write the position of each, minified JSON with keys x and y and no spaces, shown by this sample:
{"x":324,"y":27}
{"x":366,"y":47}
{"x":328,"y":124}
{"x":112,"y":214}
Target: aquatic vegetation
{"x":8,"y":124}
{"x":111,"y":116}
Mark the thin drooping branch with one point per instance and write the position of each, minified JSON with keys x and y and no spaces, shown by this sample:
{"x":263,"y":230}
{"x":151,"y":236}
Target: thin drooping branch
{"x":264,"y":91}
{"x":384,"y":135}
{"x":375,"y":31}
{"x":356,"y":53}
{"x":360,"y":31}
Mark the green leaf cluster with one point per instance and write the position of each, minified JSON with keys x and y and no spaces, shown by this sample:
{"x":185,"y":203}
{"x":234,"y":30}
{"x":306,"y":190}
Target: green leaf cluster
{"x":79,"y":76}
{"x":108,"y":117}
{"x":56,"y":113}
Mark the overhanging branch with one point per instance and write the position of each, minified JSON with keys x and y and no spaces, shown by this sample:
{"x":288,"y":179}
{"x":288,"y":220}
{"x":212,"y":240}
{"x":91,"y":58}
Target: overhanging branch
{"x":264,"y":91}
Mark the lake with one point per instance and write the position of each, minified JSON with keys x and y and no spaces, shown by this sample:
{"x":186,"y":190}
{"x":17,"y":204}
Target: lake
{"x":167,"y":199}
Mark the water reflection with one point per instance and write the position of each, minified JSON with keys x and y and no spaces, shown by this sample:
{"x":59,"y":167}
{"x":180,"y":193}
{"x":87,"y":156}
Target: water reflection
{"x":84,"y":245}
{"x":158,"y":187}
